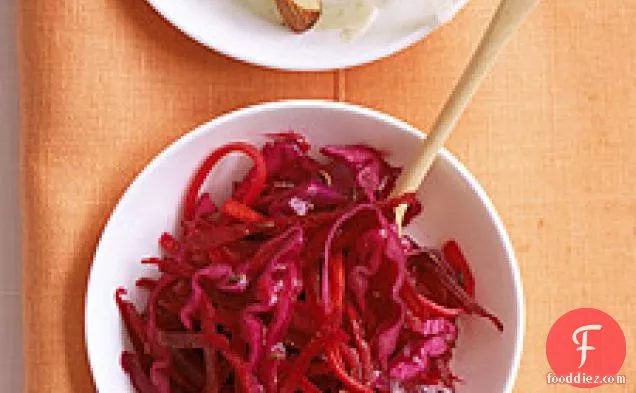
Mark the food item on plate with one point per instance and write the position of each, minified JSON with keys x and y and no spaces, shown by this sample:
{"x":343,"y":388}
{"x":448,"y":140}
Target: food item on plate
{"x":298,"y":282}
{"x":351,"y":17}
{"x":300,"y":15}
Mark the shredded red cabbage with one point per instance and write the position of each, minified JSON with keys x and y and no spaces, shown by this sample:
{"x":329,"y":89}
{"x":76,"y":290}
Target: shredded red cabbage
{"x":299,"y":282}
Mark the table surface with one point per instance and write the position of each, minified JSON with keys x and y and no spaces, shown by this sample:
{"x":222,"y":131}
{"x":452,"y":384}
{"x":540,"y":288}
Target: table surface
{"x":549,"y":136}
{"x":10,"y":262}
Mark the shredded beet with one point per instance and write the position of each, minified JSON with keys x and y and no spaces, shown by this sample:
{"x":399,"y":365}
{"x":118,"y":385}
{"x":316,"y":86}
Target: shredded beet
{"x":299,"y":282}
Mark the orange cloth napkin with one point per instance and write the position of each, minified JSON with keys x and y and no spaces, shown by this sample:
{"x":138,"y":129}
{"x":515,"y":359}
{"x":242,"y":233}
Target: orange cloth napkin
{"x":106,"y":84}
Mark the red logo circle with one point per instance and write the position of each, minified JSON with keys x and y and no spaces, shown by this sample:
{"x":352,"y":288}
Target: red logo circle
{"x":585,"y":345}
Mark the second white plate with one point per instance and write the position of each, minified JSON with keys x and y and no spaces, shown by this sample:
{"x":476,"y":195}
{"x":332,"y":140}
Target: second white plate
{"x":233,"y":27}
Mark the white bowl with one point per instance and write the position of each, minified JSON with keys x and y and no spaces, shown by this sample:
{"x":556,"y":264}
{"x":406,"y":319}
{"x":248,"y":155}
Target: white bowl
{"x":455,"y":206}
{"x":230,"y":27}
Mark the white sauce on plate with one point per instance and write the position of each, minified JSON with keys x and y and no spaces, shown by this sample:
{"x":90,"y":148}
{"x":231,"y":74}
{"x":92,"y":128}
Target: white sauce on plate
{"x":351,"y":17}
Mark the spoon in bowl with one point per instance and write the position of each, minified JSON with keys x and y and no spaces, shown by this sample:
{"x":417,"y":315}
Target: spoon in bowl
{"x":507,"y":19}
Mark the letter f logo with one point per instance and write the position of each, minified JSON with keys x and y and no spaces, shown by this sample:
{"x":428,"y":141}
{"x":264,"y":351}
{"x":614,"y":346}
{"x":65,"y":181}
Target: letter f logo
{"x":583,"y":343}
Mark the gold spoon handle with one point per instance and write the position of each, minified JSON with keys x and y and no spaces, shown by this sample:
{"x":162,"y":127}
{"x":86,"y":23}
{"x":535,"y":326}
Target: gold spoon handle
{"x":508,"y":17}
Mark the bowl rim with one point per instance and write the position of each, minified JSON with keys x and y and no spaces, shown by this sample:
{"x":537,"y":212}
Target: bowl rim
{"x":323,"y":105}
{"x":282,"y":64}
